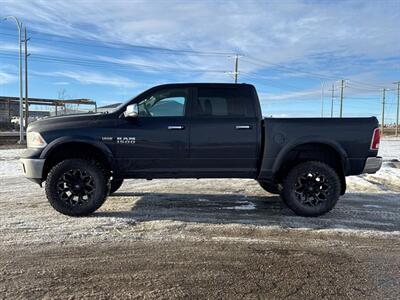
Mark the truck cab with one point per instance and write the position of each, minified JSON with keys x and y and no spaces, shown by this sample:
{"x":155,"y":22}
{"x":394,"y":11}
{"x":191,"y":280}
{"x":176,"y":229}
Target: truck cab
{"x":202,"y":130}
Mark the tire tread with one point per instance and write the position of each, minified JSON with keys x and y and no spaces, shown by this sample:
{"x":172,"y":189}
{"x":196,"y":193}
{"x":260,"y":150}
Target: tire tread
{"x":52,"y":194}
{"x":288,"y":182}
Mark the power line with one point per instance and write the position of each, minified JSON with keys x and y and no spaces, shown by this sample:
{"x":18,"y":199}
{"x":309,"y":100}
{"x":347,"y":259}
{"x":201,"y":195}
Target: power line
{"x":363,"y":98}
{"x":94,"y":63}
{"x":365,"y":84}
{"x":114,"y":45}
{"x":170,"y":51}
{"x":262,"y":62}
{"x":313,"y":74}
{"x":280,"y":85}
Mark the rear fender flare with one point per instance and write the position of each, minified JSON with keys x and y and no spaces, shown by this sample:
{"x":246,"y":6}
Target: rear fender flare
{"x":311,"y":140}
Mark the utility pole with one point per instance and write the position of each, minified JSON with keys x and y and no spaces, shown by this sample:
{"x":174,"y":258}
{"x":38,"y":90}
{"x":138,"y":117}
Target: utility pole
{"x":322,"y":98}
{"x":236,"y":72}
{"x":341,"y":97}
{"x":21,"y":109}
{"x":398,"y":105}
{"x":26,"y":39}
{"x":333,"y":96}
{"x":383,"y":110}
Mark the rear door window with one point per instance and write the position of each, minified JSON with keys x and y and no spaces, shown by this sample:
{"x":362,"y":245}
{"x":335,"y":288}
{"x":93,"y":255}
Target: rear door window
{"x":223,"y":102}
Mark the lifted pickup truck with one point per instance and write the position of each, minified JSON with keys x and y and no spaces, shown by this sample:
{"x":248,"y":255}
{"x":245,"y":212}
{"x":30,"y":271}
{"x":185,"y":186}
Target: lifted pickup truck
{"x":198,"y":131}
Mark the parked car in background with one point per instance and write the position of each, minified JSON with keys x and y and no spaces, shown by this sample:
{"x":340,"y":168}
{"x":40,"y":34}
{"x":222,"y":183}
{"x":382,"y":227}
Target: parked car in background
{"x":15,"y":120}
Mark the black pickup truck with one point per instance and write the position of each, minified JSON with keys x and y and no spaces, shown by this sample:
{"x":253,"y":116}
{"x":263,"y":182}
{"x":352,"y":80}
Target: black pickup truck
{"x":198,"y":131}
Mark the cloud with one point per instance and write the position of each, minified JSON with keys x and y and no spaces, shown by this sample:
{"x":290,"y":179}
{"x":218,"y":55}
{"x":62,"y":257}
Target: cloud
{"x":88,"y":78}
{"x":282,"y":31}
{"x":338,"y":38}
{"x":291,"y":95}
{"x":6,"y":78}
{"x":13,"y":47}
{"x":97,"y":78}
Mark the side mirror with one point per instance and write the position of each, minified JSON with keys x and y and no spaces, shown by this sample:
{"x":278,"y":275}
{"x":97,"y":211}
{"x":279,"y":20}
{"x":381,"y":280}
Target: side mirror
{"x":132,"y":111}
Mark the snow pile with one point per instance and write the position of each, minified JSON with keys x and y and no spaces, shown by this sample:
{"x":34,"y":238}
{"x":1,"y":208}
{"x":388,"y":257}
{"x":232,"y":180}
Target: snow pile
{"x":9,"y":163}
{"x":390,"y":149}
{"x":244,"y":205}
{"x":387,"y":179}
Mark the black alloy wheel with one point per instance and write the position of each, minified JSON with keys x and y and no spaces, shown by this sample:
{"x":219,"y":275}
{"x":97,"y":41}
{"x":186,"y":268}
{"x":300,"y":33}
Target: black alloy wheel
{"x":77,"y":187}
{"x":311,"y":188}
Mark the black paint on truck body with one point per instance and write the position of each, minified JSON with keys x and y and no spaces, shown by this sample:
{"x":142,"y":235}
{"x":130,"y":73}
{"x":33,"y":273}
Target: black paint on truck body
{"x":205,"y":146}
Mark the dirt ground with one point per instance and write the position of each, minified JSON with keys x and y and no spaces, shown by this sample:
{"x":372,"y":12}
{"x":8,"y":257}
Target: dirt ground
{"x":200,"y":239}
{"x":300,"y":265}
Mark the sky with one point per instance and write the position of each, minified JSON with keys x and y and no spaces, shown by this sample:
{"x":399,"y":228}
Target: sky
{"x":292,"y":51}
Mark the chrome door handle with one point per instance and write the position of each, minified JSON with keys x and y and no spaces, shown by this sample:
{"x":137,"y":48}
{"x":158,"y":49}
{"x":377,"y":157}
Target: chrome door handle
{"x":243,"y":127}
{"x":176,"y":127}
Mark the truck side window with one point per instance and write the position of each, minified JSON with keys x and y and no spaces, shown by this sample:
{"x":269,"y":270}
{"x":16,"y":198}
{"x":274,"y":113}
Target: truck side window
{"x":165,"y":103}
{"x":223,"y":102}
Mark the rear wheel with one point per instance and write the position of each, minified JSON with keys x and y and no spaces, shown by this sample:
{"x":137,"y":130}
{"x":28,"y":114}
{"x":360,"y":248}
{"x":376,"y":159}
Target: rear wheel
{"x":76,"y":187}
{"x":311,"y":189}
{"x":115,"y":185}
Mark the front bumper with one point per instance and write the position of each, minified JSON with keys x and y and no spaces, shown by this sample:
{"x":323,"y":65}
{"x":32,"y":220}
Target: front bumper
{"x":33,"y":168}
{"x":372,"y":164}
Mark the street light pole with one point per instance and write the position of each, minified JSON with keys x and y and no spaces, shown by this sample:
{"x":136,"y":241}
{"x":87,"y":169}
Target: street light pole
{"x":21,"y":109}
{"x":398,"y":107}
{"x":26,"y":54}
{"x":383,"y":110}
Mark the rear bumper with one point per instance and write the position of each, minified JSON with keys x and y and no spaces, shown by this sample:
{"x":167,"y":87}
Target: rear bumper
{"x":372,"y":164}
{"x":33,"y":168}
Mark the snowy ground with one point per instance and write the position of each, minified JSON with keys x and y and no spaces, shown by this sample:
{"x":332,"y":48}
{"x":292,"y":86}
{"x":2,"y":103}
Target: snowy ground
{"x":371,"y":205}
{"x":235,"y":213}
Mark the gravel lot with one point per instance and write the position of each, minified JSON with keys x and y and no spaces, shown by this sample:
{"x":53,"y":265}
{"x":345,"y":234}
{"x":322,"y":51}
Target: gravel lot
{"x":201,"y":239}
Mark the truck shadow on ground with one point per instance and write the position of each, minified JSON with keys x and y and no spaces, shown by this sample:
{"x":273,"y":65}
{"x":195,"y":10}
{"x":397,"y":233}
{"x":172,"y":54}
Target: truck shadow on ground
{"x":352,"y":212}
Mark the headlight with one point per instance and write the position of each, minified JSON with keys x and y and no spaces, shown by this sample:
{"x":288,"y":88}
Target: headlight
{"x":35,"y":140}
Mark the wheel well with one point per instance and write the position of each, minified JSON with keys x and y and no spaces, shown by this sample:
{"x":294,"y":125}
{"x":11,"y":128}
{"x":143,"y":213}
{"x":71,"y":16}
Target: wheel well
{"x":75,"y":150}
{"x":313,"y":151}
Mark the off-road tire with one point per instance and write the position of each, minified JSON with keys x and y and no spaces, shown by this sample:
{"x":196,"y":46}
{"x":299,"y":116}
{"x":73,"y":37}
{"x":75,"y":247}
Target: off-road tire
{"x":55,"y":185}
{"x":269,"y":187}
{"x":311,"y":189}
{"x":115,"y":185}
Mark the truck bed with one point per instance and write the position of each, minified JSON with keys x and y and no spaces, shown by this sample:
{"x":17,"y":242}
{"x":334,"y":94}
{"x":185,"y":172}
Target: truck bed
{"x":351,"y":137}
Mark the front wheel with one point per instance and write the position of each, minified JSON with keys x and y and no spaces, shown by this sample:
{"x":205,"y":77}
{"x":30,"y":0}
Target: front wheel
{"x":76,"y":187}
{"x":311,"y":189}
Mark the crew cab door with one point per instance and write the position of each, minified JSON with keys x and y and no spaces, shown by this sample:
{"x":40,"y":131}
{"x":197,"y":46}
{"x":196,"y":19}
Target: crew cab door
{"x":224,"y":132}
{"x":156,"y":142}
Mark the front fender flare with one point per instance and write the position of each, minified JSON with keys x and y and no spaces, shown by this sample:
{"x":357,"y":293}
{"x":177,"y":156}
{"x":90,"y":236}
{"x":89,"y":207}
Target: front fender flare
{"x":80,"y":139}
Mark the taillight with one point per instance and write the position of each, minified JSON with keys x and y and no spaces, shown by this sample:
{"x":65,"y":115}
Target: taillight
{"x":376,"y":137}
